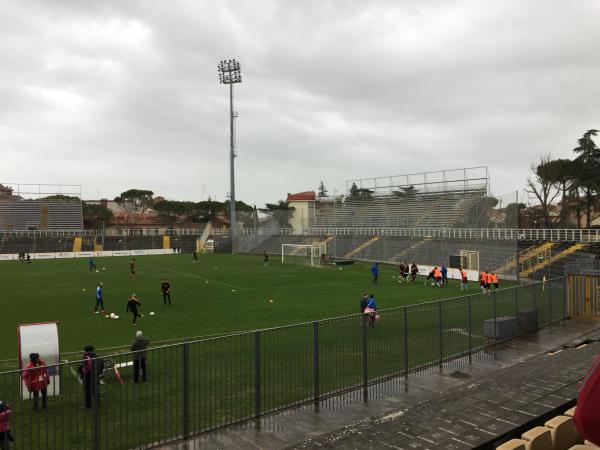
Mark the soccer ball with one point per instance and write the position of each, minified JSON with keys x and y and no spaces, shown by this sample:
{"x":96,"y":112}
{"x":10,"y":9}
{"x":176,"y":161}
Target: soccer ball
{"x":151,"y":313}
{"x":271,"y":301}
{"x":104,"y":268}
{"x":97,"y":271}
{"x":433,"y":284}
{"x":233,"y":290}
{"x":83,"y":289}
{"x":112,"y":315}
{"x":341,"y":268}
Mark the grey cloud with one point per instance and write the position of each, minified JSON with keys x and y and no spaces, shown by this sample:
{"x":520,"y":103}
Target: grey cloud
{"x":112,"y":95}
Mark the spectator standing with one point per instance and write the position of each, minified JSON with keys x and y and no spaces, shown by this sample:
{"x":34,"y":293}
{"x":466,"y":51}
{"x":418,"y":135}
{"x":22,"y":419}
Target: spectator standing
{"x":90,"y":370}
{"x":364,"y":301}
{"x":5,"y":436}
{"x":36,"y":379}
{"x":139,"y":346}
{"x":371,"y":310}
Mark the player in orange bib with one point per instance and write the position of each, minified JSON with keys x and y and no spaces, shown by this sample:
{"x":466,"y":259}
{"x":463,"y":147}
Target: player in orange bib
{"x":437,"y":276}
{"x":488,"y":282}
{"x":463,"y":279}
{"x":495,"y":280}
{"x":482,"y":280}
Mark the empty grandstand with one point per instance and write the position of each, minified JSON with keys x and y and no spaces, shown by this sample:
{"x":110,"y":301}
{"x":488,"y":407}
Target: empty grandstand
{"x":452,"y":198}
{"x":40,"y":207}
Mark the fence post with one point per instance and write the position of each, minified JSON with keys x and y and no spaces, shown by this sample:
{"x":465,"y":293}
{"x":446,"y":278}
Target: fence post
{"x":567,"y":283}
{"x":95,"y":404}
{"x":495,"y":316}
{"x":533,"y":295}
{"x":257,"y":375}
{"x":440,"y":337}
{"x":365,"y":363}
{"x":470,"y":331}
{"x":516,"y":298}
{"x":405,"y":313}
{"x":316,"y":361}
{"x":186,"y":390}
{"x":549,"y":304}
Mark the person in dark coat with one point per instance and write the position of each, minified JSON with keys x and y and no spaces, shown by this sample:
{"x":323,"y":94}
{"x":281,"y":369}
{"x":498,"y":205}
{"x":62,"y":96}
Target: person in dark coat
{"x":132,"y":306}
{"x":165,"y":289}
{"x":36,"y":379}
{"x":90,"y":370}
{"x":139,"y":346}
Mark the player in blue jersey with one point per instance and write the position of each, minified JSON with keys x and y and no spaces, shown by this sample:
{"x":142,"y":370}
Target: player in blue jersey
{"x":99,"y":299}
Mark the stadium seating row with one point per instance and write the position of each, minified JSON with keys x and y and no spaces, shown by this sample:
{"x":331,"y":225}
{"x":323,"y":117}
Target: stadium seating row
{"x":558,"y":433}
{"x":34,"y":214}
{"x":434,"y":210}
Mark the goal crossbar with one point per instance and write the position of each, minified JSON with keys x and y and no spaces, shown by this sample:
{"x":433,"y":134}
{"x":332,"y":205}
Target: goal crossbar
{"x":309,"y":254}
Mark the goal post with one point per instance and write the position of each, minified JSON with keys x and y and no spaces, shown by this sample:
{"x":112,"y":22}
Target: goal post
{"x":303,"y":254}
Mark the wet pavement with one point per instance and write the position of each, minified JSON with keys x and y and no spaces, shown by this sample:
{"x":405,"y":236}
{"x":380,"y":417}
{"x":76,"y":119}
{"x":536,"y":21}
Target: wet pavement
{"x":454,"y":407}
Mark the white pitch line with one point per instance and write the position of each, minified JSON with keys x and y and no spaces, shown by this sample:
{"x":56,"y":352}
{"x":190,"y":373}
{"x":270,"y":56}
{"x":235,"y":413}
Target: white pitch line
{"x":461,"y":332}
{"x":196,"y":276}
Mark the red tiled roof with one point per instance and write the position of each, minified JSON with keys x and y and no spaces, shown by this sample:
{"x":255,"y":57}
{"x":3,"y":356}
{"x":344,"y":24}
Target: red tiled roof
{"x":308,"y":195}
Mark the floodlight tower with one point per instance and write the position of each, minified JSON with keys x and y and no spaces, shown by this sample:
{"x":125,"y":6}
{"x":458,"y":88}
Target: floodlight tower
{"x":229,"y":73}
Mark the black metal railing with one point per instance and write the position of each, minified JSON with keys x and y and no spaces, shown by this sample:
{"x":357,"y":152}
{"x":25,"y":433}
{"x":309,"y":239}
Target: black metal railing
{"x":201,"y":385}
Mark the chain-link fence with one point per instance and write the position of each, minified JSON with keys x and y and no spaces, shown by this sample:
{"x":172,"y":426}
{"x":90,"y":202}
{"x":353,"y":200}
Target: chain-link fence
{"x":197,"y":386}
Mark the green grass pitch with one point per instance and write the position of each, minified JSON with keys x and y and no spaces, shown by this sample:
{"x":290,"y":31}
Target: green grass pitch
{"x":220,"y":294}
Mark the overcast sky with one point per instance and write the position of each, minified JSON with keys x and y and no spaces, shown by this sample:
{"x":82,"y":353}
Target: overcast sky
{"x":119,"y":94}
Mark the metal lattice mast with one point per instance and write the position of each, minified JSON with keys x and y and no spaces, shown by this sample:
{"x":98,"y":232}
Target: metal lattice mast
{"x":229,"y":73}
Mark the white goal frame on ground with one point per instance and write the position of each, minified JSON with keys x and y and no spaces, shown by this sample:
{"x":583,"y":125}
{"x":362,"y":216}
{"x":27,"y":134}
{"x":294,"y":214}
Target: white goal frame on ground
{"x":315,"y":252}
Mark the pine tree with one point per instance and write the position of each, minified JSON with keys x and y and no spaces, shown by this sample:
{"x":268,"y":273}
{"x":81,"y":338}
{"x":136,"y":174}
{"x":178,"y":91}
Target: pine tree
{"x":322,"y":190}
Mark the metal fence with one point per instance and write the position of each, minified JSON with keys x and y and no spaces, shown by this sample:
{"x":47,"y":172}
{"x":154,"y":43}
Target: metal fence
{"x":584,"y":295}
{"x":202,"y":385}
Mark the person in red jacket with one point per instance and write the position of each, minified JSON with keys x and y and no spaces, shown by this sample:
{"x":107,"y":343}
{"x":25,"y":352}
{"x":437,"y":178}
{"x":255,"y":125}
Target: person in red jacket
{"x":5,"y":436}
{"x":36,"y":379}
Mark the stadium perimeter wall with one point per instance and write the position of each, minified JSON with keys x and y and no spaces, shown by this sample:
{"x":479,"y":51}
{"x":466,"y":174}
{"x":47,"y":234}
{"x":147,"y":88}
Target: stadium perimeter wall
{"x":394,"y":249}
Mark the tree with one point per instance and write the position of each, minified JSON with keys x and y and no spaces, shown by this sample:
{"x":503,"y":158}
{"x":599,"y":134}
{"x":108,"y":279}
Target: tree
{"x":560,"y":172}
{"x":170,"y":209}
{"x":587,"y":172}
{"x":406,"y":192}
{"x":135,"y":200}
{"x":322,"y":190}
{"x":357,"y":193}
{"x":95,"y":215}
{"x":280,"y":211}
{"x":66,"y":198}
{"x":541,"y":185}
{"x":512,"y":213}
{"x":240,"y":206}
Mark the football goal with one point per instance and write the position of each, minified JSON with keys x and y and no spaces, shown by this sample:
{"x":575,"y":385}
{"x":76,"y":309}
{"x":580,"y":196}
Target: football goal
{"x":304,"y":254}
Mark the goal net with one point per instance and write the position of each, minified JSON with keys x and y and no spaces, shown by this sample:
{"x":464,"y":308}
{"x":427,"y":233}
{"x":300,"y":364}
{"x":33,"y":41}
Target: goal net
{"x":304,"y":254}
